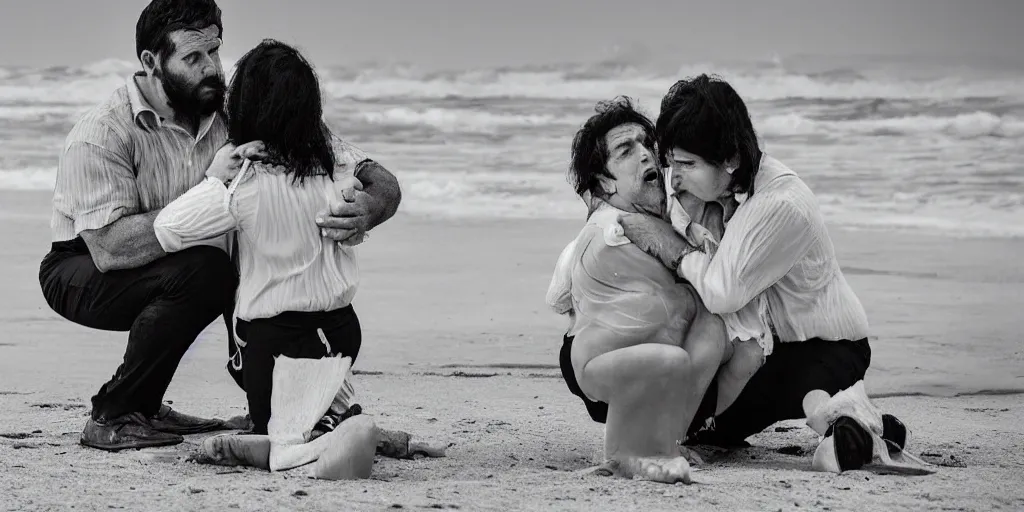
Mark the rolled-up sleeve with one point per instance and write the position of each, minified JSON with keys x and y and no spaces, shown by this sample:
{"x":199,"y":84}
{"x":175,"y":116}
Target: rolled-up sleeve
{"x":348,"y":157}
{"x":95,"y":183}
{"x":758,"y":249}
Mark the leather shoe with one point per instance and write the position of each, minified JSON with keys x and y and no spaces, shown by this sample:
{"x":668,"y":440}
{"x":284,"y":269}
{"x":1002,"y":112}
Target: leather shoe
{"x":124,"y":432}
{"x":173,"y":422}
{"x":895,"y":434}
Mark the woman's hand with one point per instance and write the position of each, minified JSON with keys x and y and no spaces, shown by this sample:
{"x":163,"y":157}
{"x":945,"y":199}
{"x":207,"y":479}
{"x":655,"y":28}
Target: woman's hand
{"x":228,"y":160}
{"x":655,"y":237}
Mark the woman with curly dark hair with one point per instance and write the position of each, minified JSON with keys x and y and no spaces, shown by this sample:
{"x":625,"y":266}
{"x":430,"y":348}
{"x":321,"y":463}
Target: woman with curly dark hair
{"x":296,"y":285}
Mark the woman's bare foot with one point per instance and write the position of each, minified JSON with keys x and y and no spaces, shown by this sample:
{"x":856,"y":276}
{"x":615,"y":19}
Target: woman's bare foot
{"x":349,"y":451}
{"x":426,"y":449}
{"x":238,"y":450}
{"x":668,"y":470}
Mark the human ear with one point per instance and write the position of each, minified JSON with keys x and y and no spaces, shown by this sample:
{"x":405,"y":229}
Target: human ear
{"x":732,"y":164}
{"x":607,"y":184}
{"x":149,"y":62}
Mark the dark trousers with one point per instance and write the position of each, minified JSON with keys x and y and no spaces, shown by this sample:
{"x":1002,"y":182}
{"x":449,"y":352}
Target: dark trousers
{"x":292,"y":334}
{"x":163,"y":305}
{"x":776,"y":392}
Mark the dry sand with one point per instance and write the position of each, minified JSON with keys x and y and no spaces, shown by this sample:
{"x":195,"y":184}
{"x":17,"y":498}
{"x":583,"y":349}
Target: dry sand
{"x":459,"y":348}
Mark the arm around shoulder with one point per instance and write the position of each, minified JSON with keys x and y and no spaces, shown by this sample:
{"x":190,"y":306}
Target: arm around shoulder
{"x":759,"y":248}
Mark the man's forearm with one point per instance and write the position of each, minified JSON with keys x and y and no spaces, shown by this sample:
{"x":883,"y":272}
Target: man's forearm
{"x":384,"y":191}
{"x":128,"y":242}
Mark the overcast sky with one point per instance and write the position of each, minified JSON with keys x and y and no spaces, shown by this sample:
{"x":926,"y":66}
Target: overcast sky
{"x":460,"y":33}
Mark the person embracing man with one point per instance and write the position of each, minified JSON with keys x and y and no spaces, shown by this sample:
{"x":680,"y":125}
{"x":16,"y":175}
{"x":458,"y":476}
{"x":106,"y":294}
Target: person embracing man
{"x":155,"y":138}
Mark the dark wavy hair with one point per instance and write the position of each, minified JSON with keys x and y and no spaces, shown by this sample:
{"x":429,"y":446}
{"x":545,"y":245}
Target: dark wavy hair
{"x":589,"y":151}
{"x":275,"y":97}
{"x":705,"y":116}
{"x":161,"y":17}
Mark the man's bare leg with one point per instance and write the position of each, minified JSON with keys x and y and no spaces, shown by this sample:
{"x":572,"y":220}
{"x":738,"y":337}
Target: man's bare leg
{"x":646,"y":387}
{"x":706,"y":343}
{"x":747,"y":357}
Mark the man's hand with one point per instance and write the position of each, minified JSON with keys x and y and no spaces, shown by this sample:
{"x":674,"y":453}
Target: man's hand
{"x":655,"y":237}
{"x":351,"y":189}
{"x":362,"y":209}
{"x":228,"y":160}
{"x":348,"y":220}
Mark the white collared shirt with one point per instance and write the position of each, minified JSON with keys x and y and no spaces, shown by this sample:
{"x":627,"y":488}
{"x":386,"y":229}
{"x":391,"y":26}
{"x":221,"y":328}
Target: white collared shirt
{"x":121,"y":159}
{"x":777,"y":243}
{"x":285,"y":264}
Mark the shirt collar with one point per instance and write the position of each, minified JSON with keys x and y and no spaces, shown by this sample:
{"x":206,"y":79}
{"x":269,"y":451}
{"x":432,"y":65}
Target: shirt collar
{"x":145,"y":114}
{"x":142,"y":112}
{"x":768,"y":171}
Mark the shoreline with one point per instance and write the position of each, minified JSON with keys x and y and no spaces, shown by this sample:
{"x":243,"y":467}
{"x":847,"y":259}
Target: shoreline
{"x":943,"y":312}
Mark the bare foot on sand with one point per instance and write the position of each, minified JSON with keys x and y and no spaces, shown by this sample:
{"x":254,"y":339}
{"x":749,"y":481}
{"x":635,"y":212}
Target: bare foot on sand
{"x":238,"y":450}
{"x":401,"y":445}
{"x":668,"y":470}
{"x":426,"y":449}
{"x":349,"y":453}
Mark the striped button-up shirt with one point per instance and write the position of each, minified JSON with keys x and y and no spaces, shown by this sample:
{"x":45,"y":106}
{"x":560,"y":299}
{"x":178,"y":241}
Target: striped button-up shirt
{"x":285,"y":263}
{"x":121,"y":158}
{"x":777,"y":243}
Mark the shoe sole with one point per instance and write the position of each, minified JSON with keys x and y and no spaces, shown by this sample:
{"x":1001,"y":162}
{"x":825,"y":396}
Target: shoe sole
{"x":184,"y":431}
{"x":133,"y":445}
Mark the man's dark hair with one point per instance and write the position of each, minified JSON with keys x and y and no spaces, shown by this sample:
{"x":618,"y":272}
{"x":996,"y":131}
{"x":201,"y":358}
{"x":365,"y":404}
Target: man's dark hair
{"x":275,"y":97}
{"x":589,"y":152}
{"x":705,"y":116}
{"x":161,"y":17}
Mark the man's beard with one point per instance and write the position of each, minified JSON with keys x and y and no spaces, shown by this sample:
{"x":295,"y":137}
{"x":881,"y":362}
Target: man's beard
{"x":187,"y":101}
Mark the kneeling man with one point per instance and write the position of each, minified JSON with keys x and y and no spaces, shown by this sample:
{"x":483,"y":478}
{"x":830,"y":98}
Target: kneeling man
{"x":641,"y":348}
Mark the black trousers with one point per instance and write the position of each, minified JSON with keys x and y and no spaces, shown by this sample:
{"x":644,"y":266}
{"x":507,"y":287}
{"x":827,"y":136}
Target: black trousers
{"x":292,"y":334}
{"x":163,"y":305}
{"x":774,"y":393}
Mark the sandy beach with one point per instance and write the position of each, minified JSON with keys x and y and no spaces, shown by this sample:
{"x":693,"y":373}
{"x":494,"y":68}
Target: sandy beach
{"x":459,"y":348}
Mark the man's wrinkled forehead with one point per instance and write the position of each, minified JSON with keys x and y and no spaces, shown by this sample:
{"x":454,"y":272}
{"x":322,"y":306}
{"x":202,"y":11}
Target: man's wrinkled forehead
{"x":624,"y":134}
{"x":189,"y":40}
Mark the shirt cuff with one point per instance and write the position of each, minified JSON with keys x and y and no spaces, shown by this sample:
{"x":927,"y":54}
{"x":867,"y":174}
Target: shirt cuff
{"x":101,"y":217}
{"x":693,"y":266}
{"x":200,"y":214}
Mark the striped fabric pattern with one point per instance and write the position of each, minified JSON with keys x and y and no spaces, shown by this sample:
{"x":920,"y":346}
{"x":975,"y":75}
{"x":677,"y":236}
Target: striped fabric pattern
{"x":285,"y":263}
{"x":122,"y":159}
{"x":777,"y":243}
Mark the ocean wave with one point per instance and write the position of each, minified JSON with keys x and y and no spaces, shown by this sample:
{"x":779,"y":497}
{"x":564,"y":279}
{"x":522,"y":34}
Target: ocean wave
{"x":547,"y":195}
{"x":455,"y":120}
{"x":94,"y":82}
{"x":28,"y":179}
{"x":57,"y":112}
{"x":964,"y":126}
{"x":1000,"y":215}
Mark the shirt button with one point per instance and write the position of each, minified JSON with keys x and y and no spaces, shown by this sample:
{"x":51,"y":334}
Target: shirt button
{"x":190,"y":163}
